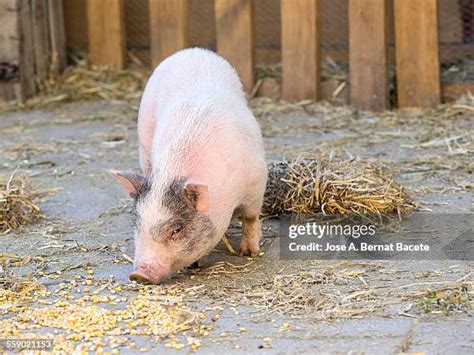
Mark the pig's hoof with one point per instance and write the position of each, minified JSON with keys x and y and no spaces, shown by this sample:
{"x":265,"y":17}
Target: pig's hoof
{"x":247,"y":250}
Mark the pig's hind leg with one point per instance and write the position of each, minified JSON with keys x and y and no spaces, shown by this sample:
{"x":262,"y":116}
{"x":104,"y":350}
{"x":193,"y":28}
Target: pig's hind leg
{"x":251,"y":225}
{"x":251,"y":236}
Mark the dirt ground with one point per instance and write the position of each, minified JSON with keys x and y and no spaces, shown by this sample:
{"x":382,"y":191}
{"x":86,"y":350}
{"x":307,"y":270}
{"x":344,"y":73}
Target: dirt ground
{"x":248,"y":305}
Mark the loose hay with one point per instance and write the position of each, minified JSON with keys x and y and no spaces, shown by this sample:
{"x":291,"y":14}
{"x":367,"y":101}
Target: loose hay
{"x":309,"y":185}
{"x":327,"y":293}
{"x":84,"y":81}
{"x":452,"y":298}
{"x":15,"y":290}
{"x":17,"y":207}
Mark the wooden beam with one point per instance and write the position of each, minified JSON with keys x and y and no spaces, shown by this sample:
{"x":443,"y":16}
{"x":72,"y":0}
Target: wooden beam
{"x":75,"y":23}
{"x":452,"y":91}
{"x":236,"y":38}
{"x":10,"y":44}
{"x":57,"y":36}
{"x":300,"y":49}
{"x":17,"y":73}
{"x":27,"y":62}
{"x":168,"y":28}
{"x":106,"y":29}
{"x":368,"y":69}
{"x":41,"y":38}
{"x":417,"y":58}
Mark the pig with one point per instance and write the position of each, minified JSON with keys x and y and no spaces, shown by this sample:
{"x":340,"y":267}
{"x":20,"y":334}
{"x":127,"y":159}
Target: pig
{"x":202,"y":159}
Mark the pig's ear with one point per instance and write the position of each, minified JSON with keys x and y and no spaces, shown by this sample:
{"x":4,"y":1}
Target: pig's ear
{"x":129,"y":181}
{"x":197,"y":195}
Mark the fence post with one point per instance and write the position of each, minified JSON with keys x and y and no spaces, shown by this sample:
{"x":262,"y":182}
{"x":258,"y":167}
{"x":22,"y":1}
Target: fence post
{"x":417,"y":58}
{"x":32,"y":45}
{"x":58,"y":36}
{"x":235,"y":37}
{"x":16,"y":51}
{"x":368,"y":54}
{"x":106,"y":25}
{"x":168,"y":28}
{"x":300,"y":49}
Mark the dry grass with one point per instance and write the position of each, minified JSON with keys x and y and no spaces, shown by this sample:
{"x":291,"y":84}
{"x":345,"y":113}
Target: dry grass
{"x":330,"y":70}
{"x":456,"y":297}
{"x":84,"y":81}
{"x":309,"y":185}
{"x":17,"y":206}
{"x":16,"y":290}
{"x":320,"y":293}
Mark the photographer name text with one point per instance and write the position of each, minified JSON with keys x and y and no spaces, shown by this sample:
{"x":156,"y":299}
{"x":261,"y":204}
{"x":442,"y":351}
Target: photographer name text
{"x":328,"y":247}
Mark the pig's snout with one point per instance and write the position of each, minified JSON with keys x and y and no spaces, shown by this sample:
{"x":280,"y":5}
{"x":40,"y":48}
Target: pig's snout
{"x":148,"y":274}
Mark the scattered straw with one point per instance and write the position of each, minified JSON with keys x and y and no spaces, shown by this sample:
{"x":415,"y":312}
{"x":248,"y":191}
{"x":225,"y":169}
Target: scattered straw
{"x":84,"y":82}
{"x":15,"y":290}
{"x":322,"y":294}
{"x":456,"y":297}
{"x":17,"y":207}
{"x":310,"y":185}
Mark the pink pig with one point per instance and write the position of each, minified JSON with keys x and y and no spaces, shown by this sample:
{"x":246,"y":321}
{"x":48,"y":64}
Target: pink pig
{"x":202,"y":157}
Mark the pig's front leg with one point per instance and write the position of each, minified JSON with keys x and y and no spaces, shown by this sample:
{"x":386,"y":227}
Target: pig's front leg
{"x":251,"y":236}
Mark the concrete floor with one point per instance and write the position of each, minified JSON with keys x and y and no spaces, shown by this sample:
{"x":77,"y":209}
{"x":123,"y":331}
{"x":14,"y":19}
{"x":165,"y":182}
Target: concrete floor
{"x":72,"y":146}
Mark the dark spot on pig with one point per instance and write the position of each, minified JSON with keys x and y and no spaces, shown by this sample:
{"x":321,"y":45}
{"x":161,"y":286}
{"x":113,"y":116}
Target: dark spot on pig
{"x":143,"y":190}
{"x":140,"y":194}
{"x":197,"y":227}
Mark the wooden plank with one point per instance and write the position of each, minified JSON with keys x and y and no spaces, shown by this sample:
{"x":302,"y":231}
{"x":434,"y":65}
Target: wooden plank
{"x":9,"y":35}
{"x":10,"y":43}
{"x":168,"y":28}
{"x":39,"y":17}
{"x":235,"y":37}
{"x":106,"y":28}
{"x":453,"y":52}
{"x":16,"y":51}
{"x":452,"y":91}
{"x":27,"y":72}
{"x":417,"y":58}
{"x":300,"y":49}
{"x":368,"y":68}
{"x":57,"y":36}
{"x":75,"y":23}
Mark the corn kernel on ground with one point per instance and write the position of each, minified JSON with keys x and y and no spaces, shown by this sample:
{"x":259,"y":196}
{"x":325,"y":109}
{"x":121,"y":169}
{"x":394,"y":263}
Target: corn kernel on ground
{"x":96,"y":320}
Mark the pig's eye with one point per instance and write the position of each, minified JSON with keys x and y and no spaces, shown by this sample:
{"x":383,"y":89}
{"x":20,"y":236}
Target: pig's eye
{"x":177,"y":229}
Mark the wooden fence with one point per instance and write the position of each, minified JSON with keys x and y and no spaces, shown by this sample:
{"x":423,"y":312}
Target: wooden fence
{"x":414,"y":24}
{"x":32,"y":45}
{"x":416,"y":43}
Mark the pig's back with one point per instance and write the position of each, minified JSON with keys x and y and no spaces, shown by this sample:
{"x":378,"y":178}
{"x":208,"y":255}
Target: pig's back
{"x":193,"y":73}
{"x":198,"y":97}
